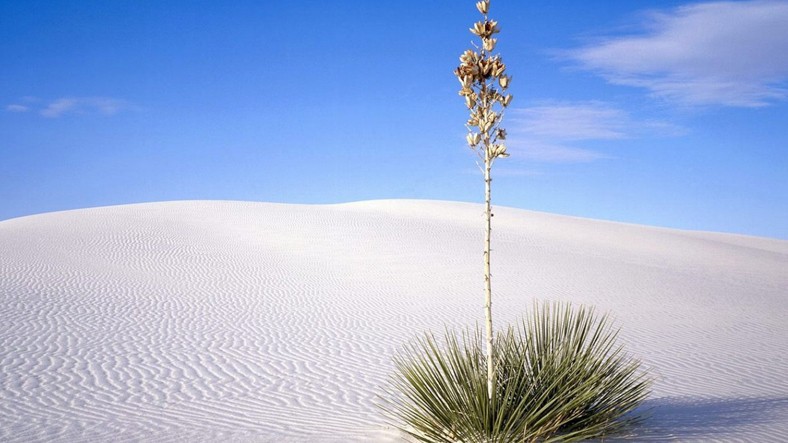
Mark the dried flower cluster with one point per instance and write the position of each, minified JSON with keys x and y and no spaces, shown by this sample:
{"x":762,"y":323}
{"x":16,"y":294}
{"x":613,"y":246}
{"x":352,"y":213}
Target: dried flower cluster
{"x":484,"y":82}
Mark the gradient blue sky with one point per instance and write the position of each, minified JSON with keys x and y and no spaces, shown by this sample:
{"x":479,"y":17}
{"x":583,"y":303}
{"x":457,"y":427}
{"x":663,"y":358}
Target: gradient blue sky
{"x":653,"y":112}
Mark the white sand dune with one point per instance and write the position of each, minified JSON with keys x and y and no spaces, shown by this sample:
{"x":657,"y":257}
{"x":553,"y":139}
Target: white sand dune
{"x":232,"y":321}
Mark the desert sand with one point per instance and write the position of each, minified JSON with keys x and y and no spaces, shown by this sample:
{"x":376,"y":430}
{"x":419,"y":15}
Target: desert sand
{"x":237,"y":321}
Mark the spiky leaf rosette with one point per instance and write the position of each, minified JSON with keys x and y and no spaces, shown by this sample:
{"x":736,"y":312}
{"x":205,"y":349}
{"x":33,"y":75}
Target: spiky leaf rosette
{"x":561,"y":377}
{"x":484,"y":82}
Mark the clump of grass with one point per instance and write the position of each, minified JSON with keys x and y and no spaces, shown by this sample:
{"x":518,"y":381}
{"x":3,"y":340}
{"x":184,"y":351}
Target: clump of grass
{"x":560,"y":376}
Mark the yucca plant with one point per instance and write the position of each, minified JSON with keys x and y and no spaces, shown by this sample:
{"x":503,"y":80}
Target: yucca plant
{"x":483,"y":82}
{"x":560,"y":377}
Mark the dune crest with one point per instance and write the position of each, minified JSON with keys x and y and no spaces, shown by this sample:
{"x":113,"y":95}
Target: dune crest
{"x":239,"y":321}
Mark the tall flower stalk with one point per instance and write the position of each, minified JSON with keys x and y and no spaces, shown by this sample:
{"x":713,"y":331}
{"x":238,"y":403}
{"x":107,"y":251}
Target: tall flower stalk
{"x":484,"y":83}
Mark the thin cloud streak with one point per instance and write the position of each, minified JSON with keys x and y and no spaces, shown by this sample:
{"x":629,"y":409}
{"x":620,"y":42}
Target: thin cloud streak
{"x":83,"y":105}
{"x":718,"y":53}
{"x":589,"y":121}
{"x":553,"y":132}
{"x":17,"y":108}
{"x":543,"y":152}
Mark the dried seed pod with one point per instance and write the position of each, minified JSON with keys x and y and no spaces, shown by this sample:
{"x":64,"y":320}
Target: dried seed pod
{"x":469,"y":57}
{"x":485,"y":29}
{"x":499,"y":151}
{"x":486,"y":68}
{"x":483,"y":6}
{"x":473,"y":139}
{"x":478,"y":29}
{"x":497,"y":67}
{"x":507,"y":100}
{"x":492,"y":27}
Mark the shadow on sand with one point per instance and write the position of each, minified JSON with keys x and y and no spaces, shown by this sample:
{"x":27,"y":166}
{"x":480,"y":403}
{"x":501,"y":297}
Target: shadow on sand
{"x":692,"y":419}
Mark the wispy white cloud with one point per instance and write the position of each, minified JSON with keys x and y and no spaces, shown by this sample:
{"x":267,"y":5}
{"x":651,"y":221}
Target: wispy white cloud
{"x":15,"y":107}
{"x":718,"y":53}
{"x":59,"y":107}
{"x":555,"y":132}
{"x":571,"y":121}
{"x":83,"y":105}
{"x":545,"y":152}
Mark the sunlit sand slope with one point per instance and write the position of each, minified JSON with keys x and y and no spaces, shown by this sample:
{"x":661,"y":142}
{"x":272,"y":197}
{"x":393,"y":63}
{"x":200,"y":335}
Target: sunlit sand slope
{"x":231,"y":321}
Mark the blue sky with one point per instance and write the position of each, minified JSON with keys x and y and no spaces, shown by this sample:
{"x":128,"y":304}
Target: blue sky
{"x":653,"y":112}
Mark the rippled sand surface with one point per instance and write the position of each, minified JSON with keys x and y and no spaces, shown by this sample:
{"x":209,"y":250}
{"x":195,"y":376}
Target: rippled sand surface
{"x":234,"y":321}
